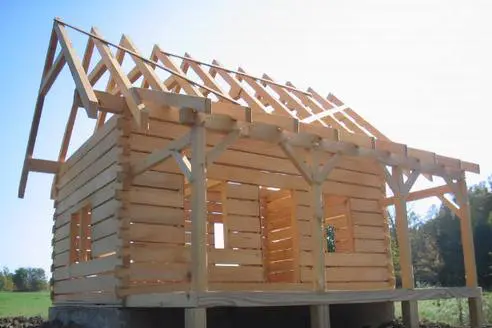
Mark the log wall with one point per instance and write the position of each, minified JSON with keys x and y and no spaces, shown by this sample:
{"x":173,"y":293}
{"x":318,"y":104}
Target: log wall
{"x":141,"y":231}
{"x":89,"y":182}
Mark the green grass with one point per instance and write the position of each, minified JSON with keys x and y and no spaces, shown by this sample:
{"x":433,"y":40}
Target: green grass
{"x":448,"y":311}
{"x":24,"y":304}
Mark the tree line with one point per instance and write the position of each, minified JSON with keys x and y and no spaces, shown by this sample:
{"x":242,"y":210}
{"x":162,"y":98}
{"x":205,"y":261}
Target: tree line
{"x":437,"y":253}
{"x":23,"y":280}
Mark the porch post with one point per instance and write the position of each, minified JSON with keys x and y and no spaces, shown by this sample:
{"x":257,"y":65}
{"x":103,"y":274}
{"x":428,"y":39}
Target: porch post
{"x":409,"y":308}
{"x":475,"y":303}
{"x":196,"y":317}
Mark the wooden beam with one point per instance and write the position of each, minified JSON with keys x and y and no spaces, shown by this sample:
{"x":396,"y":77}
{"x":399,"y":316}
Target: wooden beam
{"x":278,"y":107}
{"x":184,"y":165}
{"x":297,"y":161}
{"x":474,"y":303}
{"x":236,"y":87}
{"x":134,"y":105}
{"x":322,"y":175}
{"x":316,"y":191}
{"x":147,"y":71}
{"x":161,"y":98}
{"x":79,"y":75}
{"x":159,"y":156}
{"x":409,"y":308}
{"x":38,"y":110}
{"x":52,"y":74}
{"x":452,"y":206}
{"x":320,"y":316}
{"x":208,"y":79}
{"x":199,"y":261}
{"x":189,"y":88}
{"x":43,"y":166}
{"x":219,"y":148}
{"x":195,"y":318}
{"x":420,"y":194}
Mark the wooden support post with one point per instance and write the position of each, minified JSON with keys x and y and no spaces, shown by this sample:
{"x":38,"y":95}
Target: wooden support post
{"x":196,"y":318}
{"x":400,"y":189}
{"x":320,"y":316}
{"x":474,"y":303}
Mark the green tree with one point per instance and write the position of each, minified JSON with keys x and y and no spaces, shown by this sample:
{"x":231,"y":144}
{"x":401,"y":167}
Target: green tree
{"x":30,"y":279}
{"x":21,"y":279}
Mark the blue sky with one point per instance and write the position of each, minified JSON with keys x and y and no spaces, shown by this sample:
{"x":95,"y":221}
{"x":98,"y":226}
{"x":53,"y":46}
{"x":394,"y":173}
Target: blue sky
{"x":418,"y":70}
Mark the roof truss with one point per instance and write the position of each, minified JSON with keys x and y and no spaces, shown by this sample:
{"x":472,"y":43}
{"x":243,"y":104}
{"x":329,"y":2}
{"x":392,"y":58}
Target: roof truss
{"x":212,"y":90}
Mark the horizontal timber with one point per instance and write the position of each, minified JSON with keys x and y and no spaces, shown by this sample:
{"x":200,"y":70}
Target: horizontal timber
{"x":293,"y":298}
{"x":338,"y":142}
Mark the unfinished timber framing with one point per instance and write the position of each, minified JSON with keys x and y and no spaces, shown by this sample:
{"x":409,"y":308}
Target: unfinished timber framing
{"x":209,"y":151}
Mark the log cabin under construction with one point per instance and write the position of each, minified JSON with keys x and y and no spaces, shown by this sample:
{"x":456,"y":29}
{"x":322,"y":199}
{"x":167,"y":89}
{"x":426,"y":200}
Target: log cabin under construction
{"x":203,"y":186}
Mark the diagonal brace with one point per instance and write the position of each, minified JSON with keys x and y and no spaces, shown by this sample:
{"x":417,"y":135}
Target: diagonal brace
{"x":219,"y":148}
{"x":304,"y":169}
{"x":322,"y":174}
{"x":184,"y":164}
{"x":161,"y":155}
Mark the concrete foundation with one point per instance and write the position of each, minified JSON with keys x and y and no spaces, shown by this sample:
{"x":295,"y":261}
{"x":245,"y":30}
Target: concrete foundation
{"x":342,"y":316}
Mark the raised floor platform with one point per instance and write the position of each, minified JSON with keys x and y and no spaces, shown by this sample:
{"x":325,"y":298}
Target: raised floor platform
{"x":281,"y":298}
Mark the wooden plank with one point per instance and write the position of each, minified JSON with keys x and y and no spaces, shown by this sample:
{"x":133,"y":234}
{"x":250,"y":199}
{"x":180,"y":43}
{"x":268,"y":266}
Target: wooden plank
{"x":348,"y":259}
{"x":105,"y":298}
{"x":105,"y":210}
{"x":105,"y":228}
{"x":243,"y":207}
{"x":245,"y":240}
{"x":240,"y":256}
{"x":159,"y":156}
{"x":243,"y":223}
{"x":420,"y":194}
{"x":235,"y":274}
{"x":152,"y":196}
{"x":364,"y":205}
{"x":369,"y":232}
{"x":79,"y":75}
{"x":371,"y":246}
{"x":155,"y":271}
{"x":156,"y":233}
{"x":43,"y":166}
{"x":286,"y":298}
{"x":106,"y":246}
{"x":103,"y":179}
{"x":155,"y":179}
{"x":81,"y":285}
{"x":140,"y":213}
{"x":108,"y":160}
{"x":95,"y":266}
{"x":52,"y":74}
{"x":148,"y":252}
{"x":345,"y":274}
{"x":89,"y":144}
{"x":368,"y":219}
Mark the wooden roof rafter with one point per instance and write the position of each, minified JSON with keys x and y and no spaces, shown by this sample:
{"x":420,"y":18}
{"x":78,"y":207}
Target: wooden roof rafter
{"x":294,"y":109}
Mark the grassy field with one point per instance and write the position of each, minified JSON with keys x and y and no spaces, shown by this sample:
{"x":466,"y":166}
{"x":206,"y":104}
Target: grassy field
{"x":25,"y":304}
{"x":448,"y":311}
